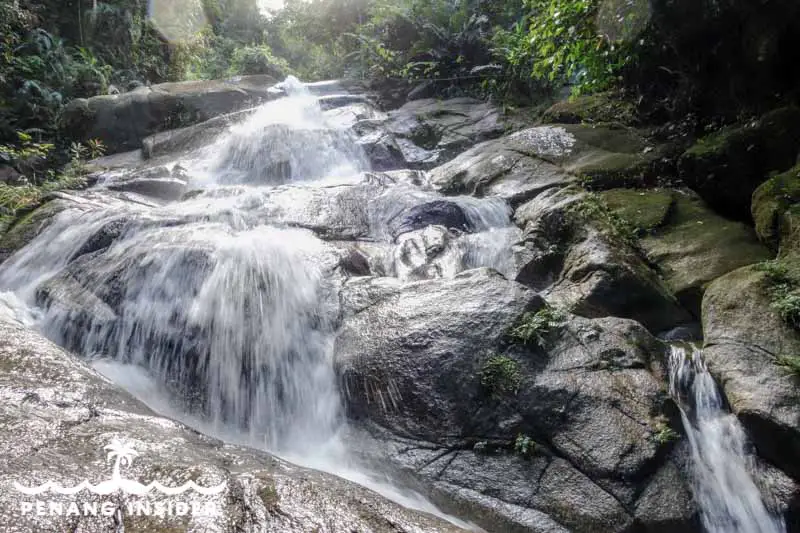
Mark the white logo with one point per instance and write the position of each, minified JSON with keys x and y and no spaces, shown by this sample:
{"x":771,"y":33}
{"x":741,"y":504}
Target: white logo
{"x":122,"y":454}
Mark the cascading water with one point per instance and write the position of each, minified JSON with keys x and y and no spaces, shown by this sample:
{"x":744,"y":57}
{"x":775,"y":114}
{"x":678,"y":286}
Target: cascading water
{"x":729,"y":499}
{"x":221,"y":309}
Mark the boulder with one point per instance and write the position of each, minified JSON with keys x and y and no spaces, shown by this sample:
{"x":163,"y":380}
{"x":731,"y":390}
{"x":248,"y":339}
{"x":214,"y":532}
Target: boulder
{"x":772,"y":201}
{"x":439,"y":212}
{"x":123,"y":121}
{"x":59,"y":417}
{"x":689,"y":244}
{"x":556,"y":435}
{"x":159,"y":183}
{"x":508,"y":168}
{"x":427,"y":132}
{"x":726,"y":167}
{"x":180,"y":140}
{"x":580,"y":257}
{"x":592,"y":109}
{"x":749,"y":349}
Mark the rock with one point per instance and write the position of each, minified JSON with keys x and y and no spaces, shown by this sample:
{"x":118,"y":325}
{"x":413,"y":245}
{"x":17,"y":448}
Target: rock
{"x":413,"y":361}
{"x":578,"y":257}
{"x":123,"y":121}
{"x":426,"y":89}
{"x":501,"y":168}
{"x":159,"y":183}
{"x":10,"y":176}
{"x":427,"y":132}
{"x":177,"y":141}
{"x":421,"y":254}
{"x":646,"y":210}
{"x":726,"y":167}
{"x":27,"y":227}
{"x":745,"y":341}
{"x":439,"y":212}
{"x":771,"y":203}
{"x":593,"y":108}
{"x":690,"y":245}
{"x":58,"y":415}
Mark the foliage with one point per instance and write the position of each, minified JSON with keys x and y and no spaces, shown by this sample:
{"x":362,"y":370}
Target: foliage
{"x":564,"y":44}
{"x":15,"y":199}
{"x":790,"y":362}
{"x":593,"y":207}
{"x":533,"y":328}
{"x":664,"y":434}
{"x":784,"y":290}
{"x":525,"y":446}
{"x":500,"y":376}
{"x":27,"y":156}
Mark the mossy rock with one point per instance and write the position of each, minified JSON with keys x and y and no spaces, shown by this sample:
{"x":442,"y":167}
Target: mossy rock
{"x":608,"y":156}
{"x":644,"y":209}
{"x":790,"y":234}
{"x":595,"y":108}
{"x":726,"y":167}
{"x":689,"y":243}
{"x":771,"y":201}
{"x":26,"y":228}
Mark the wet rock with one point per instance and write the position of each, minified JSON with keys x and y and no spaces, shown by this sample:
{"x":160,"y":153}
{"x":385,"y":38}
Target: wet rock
{"x":499,"y":168}
{"x":726,"y":167}
{"x":180,"y":140}
{"x":437,"y":213}
{"x":159,"y":183}
{"x":427,"y":132}
{"x":746,"y":340}
{"x":420,"y":254}
{"x":581,"y":259}
{"x":413,"y":362}
{"x":690,"y":244}
{"x":123,"y":121}
{"x":58,"y":415}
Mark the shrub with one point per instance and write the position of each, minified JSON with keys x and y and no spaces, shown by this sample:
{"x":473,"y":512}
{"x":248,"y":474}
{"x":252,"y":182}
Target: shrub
{"x":500,"y":376}
{"x":783,"y":288}
{"x":533,"y":328}
{"x":524,"y":446}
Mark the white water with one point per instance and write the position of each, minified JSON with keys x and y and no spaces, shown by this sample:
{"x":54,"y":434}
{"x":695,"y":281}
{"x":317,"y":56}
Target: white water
{"x":729,"y":499}
{"x":219,"y":311}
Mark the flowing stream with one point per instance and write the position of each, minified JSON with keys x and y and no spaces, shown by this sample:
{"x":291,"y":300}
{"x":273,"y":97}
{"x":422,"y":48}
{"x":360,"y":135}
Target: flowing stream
{"x":220,"y":309}
{"x":729,"y":499}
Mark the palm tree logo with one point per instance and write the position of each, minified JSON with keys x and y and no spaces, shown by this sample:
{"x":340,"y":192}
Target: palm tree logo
{"x":123,"y":455}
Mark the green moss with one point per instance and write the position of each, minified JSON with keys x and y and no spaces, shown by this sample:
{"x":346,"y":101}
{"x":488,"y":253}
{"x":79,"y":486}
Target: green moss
{"x":533,"y":328}
{"x":269,"y":495}
{"x":594,"y":209}
{"x":644,"y":209}
{"x":595,"y":108}
{"x":500,"y":376}
{"x":790,"y":362}
{"x":771,"y":201}
{"x":717,"y":142}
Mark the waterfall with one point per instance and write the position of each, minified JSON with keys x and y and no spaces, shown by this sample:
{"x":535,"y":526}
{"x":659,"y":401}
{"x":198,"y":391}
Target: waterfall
{"x":726,"y":493}
{"x":220,"y":309}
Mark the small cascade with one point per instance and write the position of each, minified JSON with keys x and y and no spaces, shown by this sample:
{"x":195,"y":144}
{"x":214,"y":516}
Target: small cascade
{"x":729,"y":500}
